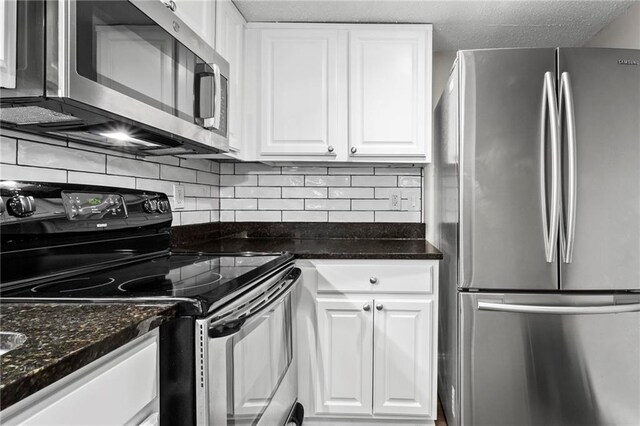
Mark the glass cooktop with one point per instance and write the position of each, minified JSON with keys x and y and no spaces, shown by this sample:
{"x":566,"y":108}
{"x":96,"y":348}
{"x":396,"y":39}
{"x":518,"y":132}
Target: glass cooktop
{"x":204,"y":278}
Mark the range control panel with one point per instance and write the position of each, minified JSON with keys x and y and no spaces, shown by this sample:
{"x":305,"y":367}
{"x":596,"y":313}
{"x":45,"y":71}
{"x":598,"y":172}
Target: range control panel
{"x":92,"y":205}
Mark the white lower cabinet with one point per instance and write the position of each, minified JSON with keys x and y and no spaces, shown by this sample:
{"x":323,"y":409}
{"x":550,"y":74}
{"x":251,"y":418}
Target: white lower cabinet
{"x":367,"y":333}
{"x":121,"y":388}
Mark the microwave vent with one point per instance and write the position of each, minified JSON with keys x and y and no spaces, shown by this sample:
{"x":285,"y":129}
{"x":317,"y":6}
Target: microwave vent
{"x":29,"y":115}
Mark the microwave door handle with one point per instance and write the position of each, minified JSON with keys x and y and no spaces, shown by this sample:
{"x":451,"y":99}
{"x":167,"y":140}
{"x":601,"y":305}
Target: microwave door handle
{"x":217,"y":100}
{"x":217,"y":329}
{"x":206,"y":122}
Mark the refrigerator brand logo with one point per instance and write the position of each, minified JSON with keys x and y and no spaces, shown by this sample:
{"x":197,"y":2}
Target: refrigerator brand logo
{"x":628,"y":62}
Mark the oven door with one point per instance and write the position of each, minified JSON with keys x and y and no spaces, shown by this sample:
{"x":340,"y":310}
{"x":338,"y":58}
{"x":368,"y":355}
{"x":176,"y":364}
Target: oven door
{"x":245,"y":355}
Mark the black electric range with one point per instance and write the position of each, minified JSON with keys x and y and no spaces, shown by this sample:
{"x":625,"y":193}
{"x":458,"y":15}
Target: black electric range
{"x":87,"y":243}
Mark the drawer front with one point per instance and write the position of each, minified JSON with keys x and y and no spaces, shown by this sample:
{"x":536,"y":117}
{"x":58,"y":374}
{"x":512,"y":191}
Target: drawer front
{"x":378,"y":276}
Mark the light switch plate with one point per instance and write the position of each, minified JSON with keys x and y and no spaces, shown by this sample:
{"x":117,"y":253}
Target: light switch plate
{"x":178,"y":196}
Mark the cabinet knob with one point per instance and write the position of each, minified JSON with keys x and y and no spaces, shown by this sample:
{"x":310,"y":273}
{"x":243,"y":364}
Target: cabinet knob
{"x":373,"y":280}
{"x":379,"y":306}
{"x":171,"y":5}
{"x":354,"y":149}
{"x":330,"y":148}
{"x":366,"y":307}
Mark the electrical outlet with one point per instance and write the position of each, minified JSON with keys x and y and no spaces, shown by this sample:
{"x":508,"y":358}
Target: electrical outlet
{"x":395,"y":199}
{"x":178,"y":196}
{"x":413,"y":199}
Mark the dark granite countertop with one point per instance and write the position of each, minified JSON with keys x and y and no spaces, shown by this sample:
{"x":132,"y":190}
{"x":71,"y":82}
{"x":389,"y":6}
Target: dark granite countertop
{"x":328,"y":248}
{"x":309,"y":240}
{"x":62,"y":338}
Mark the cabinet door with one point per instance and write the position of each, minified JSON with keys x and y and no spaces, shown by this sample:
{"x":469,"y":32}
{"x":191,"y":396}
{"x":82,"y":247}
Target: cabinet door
{"x":8,"y":37}
{"x":199,"y":15}
{"x":344,"y":355}
{"x":230,"y":44}
{"x":389,"y":92}
{"x":403,"y":348}
{"x":299,"y":92}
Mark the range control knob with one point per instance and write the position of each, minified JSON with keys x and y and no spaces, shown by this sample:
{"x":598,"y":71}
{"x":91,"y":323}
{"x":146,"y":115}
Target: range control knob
{"x":164,"y":206}
{"x":150,"y":206}
{"x":21,"y":206}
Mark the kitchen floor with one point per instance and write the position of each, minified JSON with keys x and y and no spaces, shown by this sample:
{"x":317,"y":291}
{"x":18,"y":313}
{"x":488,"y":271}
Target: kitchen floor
{"x":441,"y":419}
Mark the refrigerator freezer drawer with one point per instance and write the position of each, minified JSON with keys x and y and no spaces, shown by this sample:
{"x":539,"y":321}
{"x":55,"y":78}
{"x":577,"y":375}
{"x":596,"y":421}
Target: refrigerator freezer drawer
{"x":532,"y":359}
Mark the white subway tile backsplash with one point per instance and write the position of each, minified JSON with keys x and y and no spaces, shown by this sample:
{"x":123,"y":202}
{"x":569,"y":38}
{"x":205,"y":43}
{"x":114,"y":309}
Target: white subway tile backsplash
{"x":370,"y":205}
{"x":32,"y":137}
{"x":190,"y":218}
{"x":100,"y":179}
{"x":194,"y":163}
{"x":255,"y":169}
{"x":162,"y":159}
{"x":258,"y":192}
{"x":257,"y":216}
{"x":215,"y":167}
{"x":277,"y":204}
{"x":228,"y":216}
{"x":175,"y":217}
{"x":8,"y":150}
{"x":409,"y":181}
{"x":280,"y":180}
{"x":177,"y":174}
{"x":350,"y":192}
{"x":228,"y":191}
{"x":13,"y":172}
{"x":154,"y":185}
{"x":57,"y":157}
{"x":238,"y":204}
{"x":196,"y":190}
{"x":374,"y":181}
{"x":305,"y":216}
{"x":317,"y":204}
{"x":238,"y":180}
{"x":327,"y":180}
{"x":397,"y":216}
{"x":207,"y":204}
{"x":208,"y":178}
{"x":227,"y":168}
{"x":304,"y":192}
{"x":398,"y":171}
{"x":351,"y":171}
{"x":304,"y":170}
{"x":348,"y":216}
{"x":129,"y":167}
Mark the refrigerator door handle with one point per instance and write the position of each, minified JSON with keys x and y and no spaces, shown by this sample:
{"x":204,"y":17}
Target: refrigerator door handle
{"x":566,"y":108}
{"x":549,"y":111}
{"x":560,"y":310}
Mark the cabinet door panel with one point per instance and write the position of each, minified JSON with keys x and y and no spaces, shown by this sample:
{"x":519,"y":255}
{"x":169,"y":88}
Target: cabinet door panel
{"x":402,"y":353}
{"x":299,"y":91}
{"x":344,"y":356}
{"x":230,"y":44}
{"x":200,"y":16}
{"x":388,"y":94}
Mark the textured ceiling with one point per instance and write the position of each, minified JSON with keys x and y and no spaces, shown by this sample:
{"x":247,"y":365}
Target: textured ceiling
{"x":457,"y":24}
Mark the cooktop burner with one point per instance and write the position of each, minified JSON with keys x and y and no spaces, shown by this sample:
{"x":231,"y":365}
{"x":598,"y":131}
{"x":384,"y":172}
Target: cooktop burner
{"x":202,"y":277}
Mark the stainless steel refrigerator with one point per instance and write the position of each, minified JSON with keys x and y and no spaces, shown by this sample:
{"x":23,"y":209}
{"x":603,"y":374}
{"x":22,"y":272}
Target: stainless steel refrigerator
{"x":537,"y":180}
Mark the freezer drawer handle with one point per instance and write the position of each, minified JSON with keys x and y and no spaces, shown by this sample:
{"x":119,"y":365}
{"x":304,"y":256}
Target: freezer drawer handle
{"x":560,"y":310}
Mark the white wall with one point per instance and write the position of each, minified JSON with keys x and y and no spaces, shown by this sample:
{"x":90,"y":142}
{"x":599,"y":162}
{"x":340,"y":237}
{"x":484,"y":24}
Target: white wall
{"x":624,"y":32}
{"x":442,"y":63}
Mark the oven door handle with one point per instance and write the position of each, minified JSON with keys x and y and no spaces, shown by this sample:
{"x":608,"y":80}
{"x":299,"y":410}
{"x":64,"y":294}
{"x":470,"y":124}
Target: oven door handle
{"x":232,"y":324}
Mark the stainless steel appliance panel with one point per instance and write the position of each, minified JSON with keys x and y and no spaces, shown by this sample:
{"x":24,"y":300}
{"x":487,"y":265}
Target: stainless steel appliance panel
{"x":605,"y":243}
{"x":548,"y":359}
{"x":502,"y":220}
{"x":445,"y":157}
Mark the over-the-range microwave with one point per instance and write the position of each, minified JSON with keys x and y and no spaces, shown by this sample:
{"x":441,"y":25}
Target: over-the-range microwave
{"x":122,"y":74}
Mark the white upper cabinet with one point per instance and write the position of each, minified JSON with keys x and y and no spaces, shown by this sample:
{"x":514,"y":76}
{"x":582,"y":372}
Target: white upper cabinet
{"x":199,"y":15}
{"x":299,"y":92}
{"x":389,"y":103}
{"x":339,"y":92}
{"x":230,"y":27}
